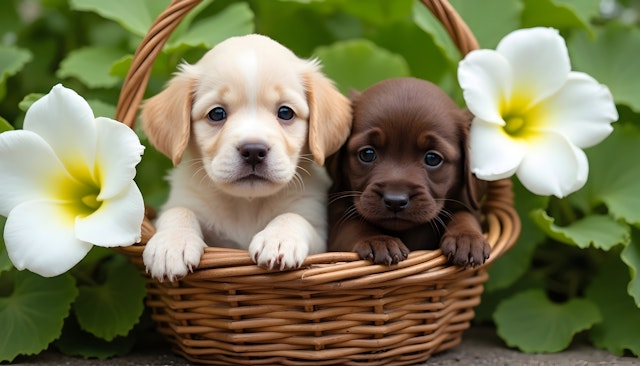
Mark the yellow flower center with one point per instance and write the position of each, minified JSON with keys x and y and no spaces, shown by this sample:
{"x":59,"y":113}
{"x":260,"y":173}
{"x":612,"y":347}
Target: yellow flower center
{"x":91,"y":201}
{"x":80,"y":193}
{"x":514,"y":125}
{"x":520,"y":117}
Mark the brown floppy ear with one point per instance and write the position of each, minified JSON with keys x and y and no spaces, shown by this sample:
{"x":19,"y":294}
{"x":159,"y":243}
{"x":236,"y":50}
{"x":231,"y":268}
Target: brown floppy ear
{"x":166,"y":117}
{"x":474,"y":188}
{"x":329,"y":116}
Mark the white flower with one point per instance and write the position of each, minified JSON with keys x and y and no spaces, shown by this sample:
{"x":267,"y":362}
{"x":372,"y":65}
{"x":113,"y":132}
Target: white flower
{"x":533,"y":115}
{"x":67,"y":184}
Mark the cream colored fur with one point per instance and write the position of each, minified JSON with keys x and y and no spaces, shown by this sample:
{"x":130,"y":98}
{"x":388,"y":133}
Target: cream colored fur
{"x":275,"y":209}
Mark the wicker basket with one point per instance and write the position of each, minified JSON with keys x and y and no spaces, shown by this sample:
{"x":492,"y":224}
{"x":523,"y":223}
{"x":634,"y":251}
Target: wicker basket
{"x":335,"y":309}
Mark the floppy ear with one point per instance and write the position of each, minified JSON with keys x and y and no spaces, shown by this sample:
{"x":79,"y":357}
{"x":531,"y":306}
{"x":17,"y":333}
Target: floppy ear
{"x":474,"y":188}
{"x":166,"y":117}
{"x":329,"y":116}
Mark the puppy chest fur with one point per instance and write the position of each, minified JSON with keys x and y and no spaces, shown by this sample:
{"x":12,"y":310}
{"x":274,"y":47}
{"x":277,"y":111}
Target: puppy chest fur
{"x":231,"y":221}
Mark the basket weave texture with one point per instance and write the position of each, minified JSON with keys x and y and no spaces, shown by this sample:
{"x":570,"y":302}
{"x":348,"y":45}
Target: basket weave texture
{"x":335,"y":309}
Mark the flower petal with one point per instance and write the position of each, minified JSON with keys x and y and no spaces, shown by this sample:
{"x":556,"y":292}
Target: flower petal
{"x":539,"y":61}
{"x":485,"y":78}
{"x":39,"y":236}
{"x":118,"y":152}
{"x":116,"y":223}
{"x":65,"y":120}
{"x":553,"y":166}
{"x":30,"y":170}
{"x":493,"y":154}
{"x":582,"y":111}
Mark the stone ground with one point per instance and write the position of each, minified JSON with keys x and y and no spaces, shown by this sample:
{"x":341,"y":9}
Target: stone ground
{"x":480,"y":346}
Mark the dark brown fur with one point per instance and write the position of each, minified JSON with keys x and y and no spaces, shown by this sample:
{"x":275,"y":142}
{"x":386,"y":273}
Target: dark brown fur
{"x":397,"y":203}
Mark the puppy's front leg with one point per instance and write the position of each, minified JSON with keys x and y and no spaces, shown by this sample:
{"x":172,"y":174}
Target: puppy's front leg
{"x":463,"y":242}
{"x":176,"y":247}
{"x":285,"y":242}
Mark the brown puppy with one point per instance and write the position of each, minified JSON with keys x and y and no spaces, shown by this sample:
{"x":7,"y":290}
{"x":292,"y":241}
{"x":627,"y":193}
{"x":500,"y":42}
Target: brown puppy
{"x":401,"y":181}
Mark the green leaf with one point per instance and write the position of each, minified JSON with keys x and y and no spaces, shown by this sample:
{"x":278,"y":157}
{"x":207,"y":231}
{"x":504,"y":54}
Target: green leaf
{"x":32,"y":314}
{"x":76,"y":342}
{"x":378,"y":13}
{"x":9,"y":17}
{"x":235,"y":20}
{"x":432,"y":26}
{"x":585,"y":10}
{"x":301,"y":27}
{"x":185,"y":23}
{"x":517,"y":261}
{"x":5,"y":262}
{"x":608,"y":60}
{"x":614,"y":177}
{"x":599,"y":231}
{"x":423,"y":56}
{"x":532,"y":323}
{"x":619,"y":329}
{"x":504,"y":15}
{"x":135,"y":16}
{"x":113,"y":307}
{"x":91,"y":65}
{"x":631,"y":257}
{"x":12,"y":60}
{"x":102,"y":109}
{"x":491,"y":299}
{"x":28,"y":100}
{"x":358,"y":64}
{"x":5,"y":125}
{"x":164,"y":65}
{"x":559,"y":14}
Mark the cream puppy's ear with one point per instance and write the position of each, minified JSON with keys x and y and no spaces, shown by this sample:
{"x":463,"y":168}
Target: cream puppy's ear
{"x":166,"y":117}
{"x":329,"y":115}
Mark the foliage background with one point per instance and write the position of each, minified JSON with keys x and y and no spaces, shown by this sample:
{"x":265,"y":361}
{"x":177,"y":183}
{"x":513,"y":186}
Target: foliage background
{"x":575,"y":268}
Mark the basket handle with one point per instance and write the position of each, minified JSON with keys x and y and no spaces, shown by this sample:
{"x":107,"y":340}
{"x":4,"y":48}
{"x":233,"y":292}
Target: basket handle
{"x":137,"y":77}
{"x":135,"y":83}
{"x":458,"y":30}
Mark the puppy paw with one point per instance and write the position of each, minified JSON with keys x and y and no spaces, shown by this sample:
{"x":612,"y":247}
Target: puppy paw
{"x":381,"y":249}
{"x":171,"y":254}
{"x":467,"y":249}
{"x":277,"y":249}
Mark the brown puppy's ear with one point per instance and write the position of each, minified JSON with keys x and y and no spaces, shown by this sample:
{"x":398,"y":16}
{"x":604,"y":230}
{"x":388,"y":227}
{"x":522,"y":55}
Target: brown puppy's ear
{"x":473,"y":187}
{"x":166,"y":117}
{"x":329,"y":115}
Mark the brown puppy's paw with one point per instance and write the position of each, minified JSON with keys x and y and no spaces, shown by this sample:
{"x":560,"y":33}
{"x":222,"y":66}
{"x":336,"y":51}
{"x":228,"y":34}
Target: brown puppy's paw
{"x":381,"y":249}
{"x":467,"y":249}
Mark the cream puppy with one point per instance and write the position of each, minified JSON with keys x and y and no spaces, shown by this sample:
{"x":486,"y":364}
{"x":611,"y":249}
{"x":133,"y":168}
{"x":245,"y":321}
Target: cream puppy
{"x":248,"y":128}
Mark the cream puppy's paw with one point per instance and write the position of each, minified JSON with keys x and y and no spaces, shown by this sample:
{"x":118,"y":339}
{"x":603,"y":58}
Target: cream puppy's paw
{"x":171,"y":254}
{"x":283,"y":244}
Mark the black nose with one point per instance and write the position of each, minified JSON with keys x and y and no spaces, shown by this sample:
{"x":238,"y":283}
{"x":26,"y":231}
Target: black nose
{"x":253,"y":153}
{"x":395,"y":202}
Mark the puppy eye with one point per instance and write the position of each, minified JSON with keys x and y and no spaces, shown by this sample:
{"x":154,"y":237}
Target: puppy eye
{"x":433,"y":159}
{"x":285,"y":113}
{"x":217,"y":114}
{"x":367,"y":155}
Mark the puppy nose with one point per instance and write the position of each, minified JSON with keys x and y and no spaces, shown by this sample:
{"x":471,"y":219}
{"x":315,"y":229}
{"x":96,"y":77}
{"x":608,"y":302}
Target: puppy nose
{"x":396,"y":201}
{"x":253,"y":153}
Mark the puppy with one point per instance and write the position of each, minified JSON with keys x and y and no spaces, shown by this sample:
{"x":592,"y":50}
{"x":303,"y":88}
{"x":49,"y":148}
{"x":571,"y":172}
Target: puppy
{"x":402,"y":182}
{"x":248,"y":127}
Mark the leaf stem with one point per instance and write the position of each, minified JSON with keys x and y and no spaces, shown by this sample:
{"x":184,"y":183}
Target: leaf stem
{"x":562,"y":211}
